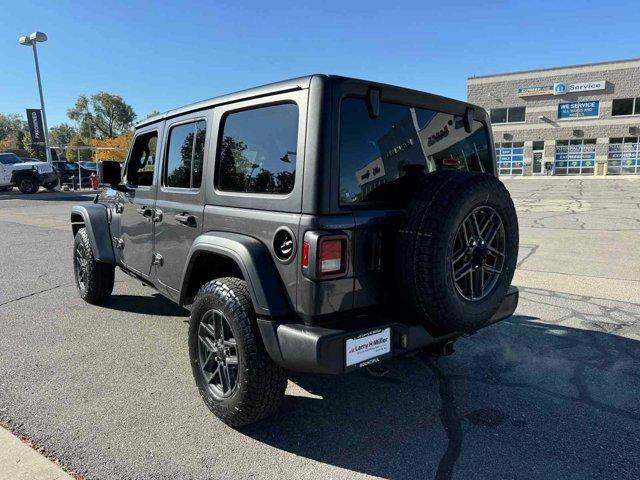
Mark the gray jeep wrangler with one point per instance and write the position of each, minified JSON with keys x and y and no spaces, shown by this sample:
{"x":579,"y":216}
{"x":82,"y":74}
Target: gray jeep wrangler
{"x":320,"y":224}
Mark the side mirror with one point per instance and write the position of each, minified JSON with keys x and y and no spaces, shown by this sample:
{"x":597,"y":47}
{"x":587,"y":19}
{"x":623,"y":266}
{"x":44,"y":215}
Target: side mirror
{"x":111,"y":172}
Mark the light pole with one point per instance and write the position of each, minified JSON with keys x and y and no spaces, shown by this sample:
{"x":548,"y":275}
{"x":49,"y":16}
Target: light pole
{"x":31,"y":40}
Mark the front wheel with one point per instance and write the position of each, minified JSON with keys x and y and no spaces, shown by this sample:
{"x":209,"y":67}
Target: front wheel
{"x":93,"y":279}
{"x":28,"y":185}
{"x":236,"y":378}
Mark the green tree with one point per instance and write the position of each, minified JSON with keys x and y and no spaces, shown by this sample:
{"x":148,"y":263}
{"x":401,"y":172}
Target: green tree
{"x":153,"y":113}
{"x":12,"y":131}
{"x":60,"y":135}
{"x":235,"y":168}
{"x":102,"y":115}
{"x":72,"y":154}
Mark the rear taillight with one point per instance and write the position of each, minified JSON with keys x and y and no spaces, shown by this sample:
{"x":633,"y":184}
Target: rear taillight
{"x":331,"y":255}
{"x":324,"y":255}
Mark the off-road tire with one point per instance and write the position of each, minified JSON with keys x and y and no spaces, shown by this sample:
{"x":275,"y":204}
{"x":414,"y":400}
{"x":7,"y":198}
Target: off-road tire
{"x":6,"y":189}
{"x":425,"y":248}
{"x":28,"y":185}
{"x":98,"y":283}
{"x":260,"y":382}
{"x":51,"y":186}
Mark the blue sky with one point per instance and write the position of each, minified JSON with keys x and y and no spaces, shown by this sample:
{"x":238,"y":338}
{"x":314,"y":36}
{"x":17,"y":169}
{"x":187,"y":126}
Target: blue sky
{"x":161,"y":55}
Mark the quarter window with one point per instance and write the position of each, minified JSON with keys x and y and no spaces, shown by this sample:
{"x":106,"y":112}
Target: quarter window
{"x":185,"y":154}
{"x":625,"y":106}
{"x":257,"y":150}
{"x":508,"y":115}
{"x":142,"y":161}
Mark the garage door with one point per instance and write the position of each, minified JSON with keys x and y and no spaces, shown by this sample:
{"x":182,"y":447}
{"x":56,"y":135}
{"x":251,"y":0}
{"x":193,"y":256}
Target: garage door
{"x":624,"y":156}
{"x":575,"y":157}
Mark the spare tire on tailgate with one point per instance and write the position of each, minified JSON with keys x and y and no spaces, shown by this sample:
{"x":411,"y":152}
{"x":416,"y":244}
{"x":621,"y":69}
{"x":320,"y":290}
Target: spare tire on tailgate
{"x":457,"y":250}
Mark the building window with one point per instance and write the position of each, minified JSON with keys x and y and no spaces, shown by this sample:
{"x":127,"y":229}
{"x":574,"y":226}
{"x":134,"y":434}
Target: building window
{"x":625,"y":106}
{"x":257,"y":150}
{"x":510,"y":158}
{"x":624,"y":155}
{"x":575,"y":157}
{"x":508,"y":115}
{"x":538,"y":146}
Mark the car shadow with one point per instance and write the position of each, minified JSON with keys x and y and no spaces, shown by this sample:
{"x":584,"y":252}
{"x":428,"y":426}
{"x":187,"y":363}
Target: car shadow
{"x":45,"y":196}
{"x":480,"y":413}
{"x":154,"y":304}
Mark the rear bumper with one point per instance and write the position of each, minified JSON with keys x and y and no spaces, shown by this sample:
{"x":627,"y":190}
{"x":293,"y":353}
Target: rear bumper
{"x":302,"y":348}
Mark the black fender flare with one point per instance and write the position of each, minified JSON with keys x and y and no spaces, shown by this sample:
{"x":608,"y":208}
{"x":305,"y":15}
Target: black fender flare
{"x":255,"y":263}
{"x":94,"y":218}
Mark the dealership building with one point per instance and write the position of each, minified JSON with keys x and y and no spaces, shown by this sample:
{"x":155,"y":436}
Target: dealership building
{"x":574,"y":120}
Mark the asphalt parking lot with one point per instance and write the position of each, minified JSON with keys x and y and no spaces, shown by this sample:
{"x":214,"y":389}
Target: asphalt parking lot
{"x":550,"y":393}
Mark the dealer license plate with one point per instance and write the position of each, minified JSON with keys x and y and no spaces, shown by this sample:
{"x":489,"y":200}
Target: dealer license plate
{"x":368,"y":346}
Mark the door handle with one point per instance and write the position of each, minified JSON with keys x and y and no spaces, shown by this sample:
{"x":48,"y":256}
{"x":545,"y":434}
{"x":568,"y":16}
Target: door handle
{"x":145,"y":211}
{"x":186,"y":219}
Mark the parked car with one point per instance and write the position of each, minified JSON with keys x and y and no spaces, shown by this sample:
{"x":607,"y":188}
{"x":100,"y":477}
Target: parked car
{"x":30,"y":159}
{"x":66,"y":170}
{"x":27,"y":176}
{"x":332,"y":223}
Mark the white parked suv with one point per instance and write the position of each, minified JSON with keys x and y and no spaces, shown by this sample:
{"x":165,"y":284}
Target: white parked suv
{"x":27,"y":176}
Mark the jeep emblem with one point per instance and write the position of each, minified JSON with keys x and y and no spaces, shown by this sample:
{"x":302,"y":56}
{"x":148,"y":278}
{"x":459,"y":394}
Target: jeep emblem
{"x":284,"y":244}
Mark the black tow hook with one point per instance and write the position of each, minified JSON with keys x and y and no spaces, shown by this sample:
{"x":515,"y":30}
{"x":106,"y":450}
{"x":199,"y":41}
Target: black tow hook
{"x":441,"y":349}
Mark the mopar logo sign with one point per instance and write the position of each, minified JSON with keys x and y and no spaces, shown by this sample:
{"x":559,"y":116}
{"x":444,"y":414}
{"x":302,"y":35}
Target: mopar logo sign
{"x":562,"y":88}
{"x":559,"y":88}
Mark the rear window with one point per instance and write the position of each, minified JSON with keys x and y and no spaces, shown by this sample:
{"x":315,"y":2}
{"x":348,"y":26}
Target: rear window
{"x":382,"y":158}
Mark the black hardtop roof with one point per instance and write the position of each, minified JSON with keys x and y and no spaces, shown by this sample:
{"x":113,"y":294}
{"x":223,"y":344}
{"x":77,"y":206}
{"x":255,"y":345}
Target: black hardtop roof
{"x":299,"y":83}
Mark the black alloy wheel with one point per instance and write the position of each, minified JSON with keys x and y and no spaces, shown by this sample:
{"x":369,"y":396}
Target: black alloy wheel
{"x":94,"y":279}
{"x":217,"y":354}
{"x":27,"y":185}
{"x":235,"y":376}
{"x":81,"y":263}
{"x":479,"y":253}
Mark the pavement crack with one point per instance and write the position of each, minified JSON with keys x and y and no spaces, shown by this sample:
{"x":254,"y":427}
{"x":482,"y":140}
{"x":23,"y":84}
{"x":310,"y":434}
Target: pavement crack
{"x":35,"y":293}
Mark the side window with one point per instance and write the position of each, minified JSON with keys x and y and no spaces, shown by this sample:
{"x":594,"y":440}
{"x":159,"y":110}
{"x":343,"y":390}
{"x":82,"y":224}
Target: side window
{"x":142,"y":161}
{"x":257,"y":150}
{"x":185,"y":154}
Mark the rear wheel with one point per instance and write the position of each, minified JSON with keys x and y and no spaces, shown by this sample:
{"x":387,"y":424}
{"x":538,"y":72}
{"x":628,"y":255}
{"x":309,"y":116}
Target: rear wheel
{"x":93,"y":279}
{"x":28,"y":185}
{"x":236,"y":378}
{"x":457,"y":250}
{"x":51,"y":186}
